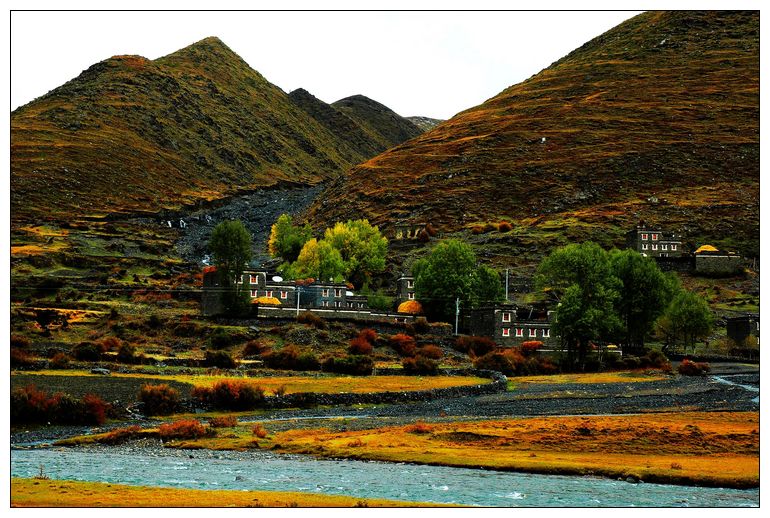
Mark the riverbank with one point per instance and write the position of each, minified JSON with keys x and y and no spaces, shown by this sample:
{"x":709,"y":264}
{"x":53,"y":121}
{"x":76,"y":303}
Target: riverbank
{"x":67,"y":493}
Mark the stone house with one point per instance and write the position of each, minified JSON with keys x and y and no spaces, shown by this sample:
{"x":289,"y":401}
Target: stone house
{"x":509,"y":325}
{"x":405,"y":231}
{"x":710,"y":261}
{"x":654,"y":242}
{"x":740,"y":328}
{"x":405,"y":288}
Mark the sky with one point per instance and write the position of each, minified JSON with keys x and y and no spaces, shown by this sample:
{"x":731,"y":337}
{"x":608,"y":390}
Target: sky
{"x":433,"y":64}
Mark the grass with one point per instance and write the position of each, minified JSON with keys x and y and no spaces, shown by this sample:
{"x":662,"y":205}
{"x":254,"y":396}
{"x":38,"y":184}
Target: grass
{"x":712,"y":449}
{"x":590,"y":378}
{"x":68,"y":493}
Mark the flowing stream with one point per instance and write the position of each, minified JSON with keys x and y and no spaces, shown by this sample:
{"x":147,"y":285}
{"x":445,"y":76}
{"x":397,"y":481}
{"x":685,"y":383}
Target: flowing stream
{"x":201,"y":469}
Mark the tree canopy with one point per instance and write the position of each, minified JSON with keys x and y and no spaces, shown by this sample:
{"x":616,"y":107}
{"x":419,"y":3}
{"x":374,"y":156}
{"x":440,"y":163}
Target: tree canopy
{"x":230,"y":245}
{"x":450,"y":271}
{"x":687,"y":319}
{"x":319,"y":260}
{"x":286,"y":239}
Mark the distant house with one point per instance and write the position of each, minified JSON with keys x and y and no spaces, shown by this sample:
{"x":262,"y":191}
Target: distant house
{"x":740,"y":328}
{"x":406,"y":231}
{"x":405,"y":288}
{"x":509,"y":325}
{"x":654,"y":242}
{"x":710,"y":261}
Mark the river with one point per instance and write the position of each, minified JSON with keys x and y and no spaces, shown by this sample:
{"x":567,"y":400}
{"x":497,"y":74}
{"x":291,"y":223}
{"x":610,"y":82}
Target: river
{"x":257,"y":470}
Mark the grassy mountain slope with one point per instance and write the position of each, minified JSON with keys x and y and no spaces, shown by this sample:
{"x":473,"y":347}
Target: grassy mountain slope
{"x":134,"y":135}
{"x":377,"y":120}
{"x":665,"y":105}
{"x":424,"y":123}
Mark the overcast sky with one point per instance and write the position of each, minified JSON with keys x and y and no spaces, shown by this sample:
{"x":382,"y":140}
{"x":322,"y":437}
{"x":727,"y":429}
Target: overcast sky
{"x":432,"y":64}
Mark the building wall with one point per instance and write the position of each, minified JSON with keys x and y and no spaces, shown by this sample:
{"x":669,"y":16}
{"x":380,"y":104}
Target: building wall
{"x":405,"y":288}
{"x":654,"y":242}
{"x":718,"y":264}
{"x":740,"y":328}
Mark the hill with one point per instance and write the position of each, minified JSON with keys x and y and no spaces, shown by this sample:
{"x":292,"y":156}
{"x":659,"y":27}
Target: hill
{"x":424,"y":123}
{"x":377,"y":120}
{"x":655,"y":120}
{"x":131,"y":135}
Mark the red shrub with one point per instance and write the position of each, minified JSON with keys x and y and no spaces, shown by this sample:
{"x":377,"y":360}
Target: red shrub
{"x":110,"y":343}
{"x":259,"y":431}
{"x":508,"y":361}
{"x":423,"y":236}
{"x":370,"y":335}
{"x":311,"y":319}
{"x":430,"y":229}
{"x":20,"y":358}
{"x":691,"y":368}
{"x":431,"y":351}
{"x":30,"y":405}
{"x":95,"y":409}
{"x":360,"y":345}
{"x":230,"y":395}
{"x":60,"y":361}
{"x":475,"y":345}
{"x":184,"y":429}
{"x":120,"y":435}
{"x":254,"y":348}
{"x":477,"y":230}
{"x":403,"y":344}
{"x":226,"y":421}
{"x":531,"y":347}
{"x":504,"y":226}
{"x":420,"y":365}
{"x":20,"y":341}
{"x":159,"y":399}
{"x":418,"y":427}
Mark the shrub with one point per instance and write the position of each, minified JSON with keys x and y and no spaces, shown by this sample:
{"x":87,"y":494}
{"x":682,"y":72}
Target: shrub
{"x":421,"y":325}
{"x":423,"y":236}
{"x":126,"y":353}
{"x":258,"y":431}
{"x":154,"y":322}
{"x":20,"y":341}
{"x":311,"y":319}
{"x":370,"y":335}
{"x":430,"y":351}
{"x":475,"y":346}
{"x":290,"y":358}
{"x":504,"y":226}
{"x":489,"y":227}
{"x":530,"y":347}
{"x":187,"y":329}
{"x":352,"y":364}
{"x":87,"y":352}
{"x":159,"y":399}
{"x":120,"y":435}
{"x":418,"y":427}
{"x":254,"y":348}
{"x":420,"y":365}
{"x":691,"y":368}
{"x":94,"y":409}
{"x":220,"y":359}
{"x":411,"y":307}
{"x":226,"y":421}
{"x":360,"y":346}
{"x":220,"y":339}
{"x":110,"y":343}
{"x":431,"y":230}
{"x":508,"y":361}
{"x":280,"y":390}
{"x":20,"y":358}
{"x":403,"y":344}
{"x":230,"y":395}
{"x":30,"y":405}
{"x":184,"y":429}
{"x":60,"y":361}
{"x":656,"y":359}
{"x":477,"y":229}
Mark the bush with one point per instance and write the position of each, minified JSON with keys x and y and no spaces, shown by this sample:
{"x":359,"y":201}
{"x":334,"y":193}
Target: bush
{"x":419,"y":427}
{"x":60,"y":361}
{"x":508,"y":361}
{"x":430,"y":351}
{"x":291,"y":359}
{"x":120,"y":435}
{"x":489,"y":227}
{"x":87,"y":352}
{"x":420,"y":365}
{"x":403,"y":344}
{"x":220,"y":339}
{"x":421,"y":325}
{"x":431,"y":230}
{"x":423,"y":236}
{"x":187,"y":329}
{"x":184,"y":429}
{"x":159,"y":399}
{"x":504,"y":226}
{"x":656,"y":359}
{"x":477,"y":230}
{"x":126,"y":353}
{"x":110,"y":343}
{"x":691,"y":368}
{"x":30,"y":405}
{"x":353,"y":364}
{"x":254,"y":348}
{"x":370,"y":335}
{"x":231,"y":395}
{"x":220,"y":359}
{"x":475,"y":346}
{"x":21,"y":359}
{"x":154,"y":322}
{"x":360,"y":346}
{"x":530,"y":347}
{"x":20,"y":341}
{"x":258,"y":431}
{"x":311,"y":319}
{"x":227,"y":421}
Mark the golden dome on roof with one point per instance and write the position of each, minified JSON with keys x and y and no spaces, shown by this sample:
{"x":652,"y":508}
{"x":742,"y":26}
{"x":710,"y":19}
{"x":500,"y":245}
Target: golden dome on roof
{"x":706,"y":248}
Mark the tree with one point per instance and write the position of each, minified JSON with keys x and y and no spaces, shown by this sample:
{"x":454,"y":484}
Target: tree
{"x":686,"y":320}
{"x":286,"y":240}
{"x":230,"y":245}
{"x":644,"y":294}
{"x":581,"y":279}
{"x":361,"y":246}
{"x":318,"y":259}
{"x":449,"y":272}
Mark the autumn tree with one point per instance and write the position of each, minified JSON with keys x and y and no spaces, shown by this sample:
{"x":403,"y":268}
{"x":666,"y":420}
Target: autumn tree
{"x":580,"y":277}
{"x":686,"y":320}
{"x":230,"y":245}
{"x":362,"y":247}
{"x":286,"y":239}
{"x":450,"y":271}
{"x":319,"y":260}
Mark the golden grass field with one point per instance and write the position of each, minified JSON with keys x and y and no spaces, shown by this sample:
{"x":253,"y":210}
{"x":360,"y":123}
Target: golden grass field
{"x":67,"y":493}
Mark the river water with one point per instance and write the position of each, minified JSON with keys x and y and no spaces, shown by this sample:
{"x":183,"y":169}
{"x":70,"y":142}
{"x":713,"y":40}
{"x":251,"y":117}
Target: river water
{"x":199,"y":469}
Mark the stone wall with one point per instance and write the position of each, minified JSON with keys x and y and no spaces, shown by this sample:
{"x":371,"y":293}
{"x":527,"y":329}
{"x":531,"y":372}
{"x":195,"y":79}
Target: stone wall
{"x":718,"y":265}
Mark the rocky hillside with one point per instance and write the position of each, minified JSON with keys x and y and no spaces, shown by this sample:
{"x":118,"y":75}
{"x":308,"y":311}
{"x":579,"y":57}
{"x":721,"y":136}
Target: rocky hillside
{"x":131,"y":135}
{"x":656,"y":120}
{"x":424,"y":123}
{"x":377,"y":120}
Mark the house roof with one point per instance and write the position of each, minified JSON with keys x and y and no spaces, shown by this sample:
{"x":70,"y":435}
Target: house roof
{"x":707,"y":248}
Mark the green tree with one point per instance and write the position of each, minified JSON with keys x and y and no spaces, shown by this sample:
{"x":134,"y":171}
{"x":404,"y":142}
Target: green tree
{"x":644,"y":294}
{"x":286,"y":240}
{"x":686,"y":320}
{"x":230,"y":246}
{"x":318,"y":259}
{"x":449,"y":272}
{"x":362,"y":248}
{"x":581,"y":279}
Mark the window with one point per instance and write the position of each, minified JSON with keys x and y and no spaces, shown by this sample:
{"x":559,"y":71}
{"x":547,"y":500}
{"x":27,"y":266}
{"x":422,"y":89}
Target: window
{"x":546,"y":333}
{"x":655,"y":237}
{"x":654,"y":247}
{"x":644,"y":246}
{"x":337,"y":292}
{"x":269,"y":293}
{"x":644,"y":237}
{"x":506,"y":331}
{"x":664,"y":247}
{"x":284,"y":294}
{"x":411,"y":295}
{"x":532,"y":333}
{"x":338,"y":304}
{"x":410,"y":284}
{"x":519,"y":332}
{"x":253,"y":294}
{"x":325,"y":293}
{"x":673,"y":247}
{"x":253,"y":279}
{"x":325,"y":303}
{"x":506,"y":317}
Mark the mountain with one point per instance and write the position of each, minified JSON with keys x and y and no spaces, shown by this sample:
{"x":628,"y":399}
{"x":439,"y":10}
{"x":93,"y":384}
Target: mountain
{"x":377,"y":120}
{"x":424,"y":123}
{"x":131,"y":135}
{"x":655,"y":120}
